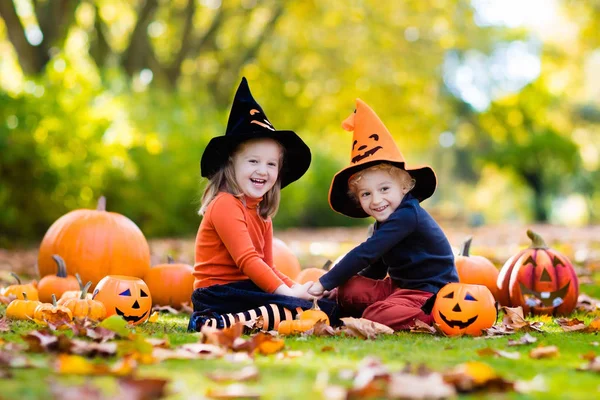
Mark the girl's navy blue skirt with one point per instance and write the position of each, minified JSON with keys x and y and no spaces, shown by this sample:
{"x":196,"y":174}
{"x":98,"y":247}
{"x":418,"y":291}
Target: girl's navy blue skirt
{"x":212,"y":301}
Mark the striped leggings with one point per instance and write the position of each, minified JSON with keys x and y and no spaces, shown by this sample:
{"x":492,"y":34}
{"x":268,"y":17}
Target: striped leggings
{"x":266,"y":317}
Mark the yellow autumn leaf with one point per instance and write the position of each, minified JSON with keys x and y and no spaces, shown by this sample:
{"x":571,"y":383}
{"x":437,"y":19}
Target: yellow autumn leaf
{"x":77,"y":365}
{"x":153,"y":317}
{"x":479,"y":372}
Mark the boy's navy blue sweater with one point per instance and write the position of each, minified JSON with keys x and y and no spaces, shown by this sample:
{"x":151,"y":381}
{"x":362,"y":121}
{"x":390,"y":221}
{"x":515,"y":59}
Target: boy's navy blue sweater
{"x":409,"y":246}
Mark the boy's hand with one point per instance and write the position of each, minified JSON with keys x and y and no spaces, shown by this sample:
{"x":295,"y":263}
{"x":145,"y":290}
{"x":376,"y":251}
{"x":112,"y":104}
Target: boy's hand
{"x":316,"y":289}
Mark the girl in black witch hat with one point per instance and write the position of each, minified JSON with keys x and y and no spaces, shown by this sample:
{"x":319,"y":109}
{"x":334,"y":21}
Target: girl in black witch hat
{"x":235,"y":279}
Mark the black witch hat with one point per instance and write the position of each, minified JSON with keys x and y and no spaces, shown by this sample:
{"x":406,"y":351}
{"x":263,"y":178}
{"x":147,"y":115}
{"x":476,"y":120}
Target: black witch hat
{"x":247,"y":120}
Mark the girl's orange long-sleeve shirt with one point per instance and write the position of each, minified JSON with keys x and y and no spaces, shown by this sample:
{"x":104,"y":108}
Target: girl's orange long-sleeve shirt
{"x":234,"y":243}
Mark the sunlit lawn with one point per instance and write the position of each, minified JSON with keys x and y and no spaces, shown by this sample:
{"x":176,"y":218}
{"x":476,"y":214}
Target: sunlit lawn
{"x":296,"y":378}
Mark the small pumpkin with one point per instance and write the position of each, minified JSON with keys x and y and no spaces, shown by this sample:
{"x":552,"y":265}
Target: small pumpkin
{"x":75,"y":294}
{"x":84,"y":307}
{"x":285,"y":261}
{"x":464,"y":309}
{"x":53,"y":314}
{"x":17,"y":290}
{"x":126,"y":296}
{"x":56,"y":284}
{"x":476,"y":270}
{"x":22,"y":309}
{"x":314,"y":314}
{"x":539,"y":279}
{"x":170,"y":284}
{"x":296,"y":326}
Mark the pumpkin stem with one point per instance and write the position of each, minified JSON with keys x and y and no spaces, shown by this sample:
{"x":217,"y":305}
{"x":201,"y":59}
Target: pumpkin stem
{"x":315,"y":305}
{"x":85,"y":290}
{"x":536,"y":240}
{"x":464,"y":251}
{"x":24,"y":295}
{"x":60,"y":266}
{"x":79,"y":280}
{"x":170,"y":260}
{"x":16,"y":277}
{"x":101,"y":204}
{"x":327,"y":265}
{"x":54,"y":300}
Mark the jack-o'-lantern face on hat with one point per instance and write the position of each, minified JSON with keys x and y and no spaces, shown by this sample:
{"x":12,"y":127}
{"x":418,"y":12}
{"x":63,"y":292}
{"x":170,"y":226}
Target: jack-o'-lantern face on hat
{"x":126,"y":296}
{"x":259,"y":118}
{"x":462,"y":308}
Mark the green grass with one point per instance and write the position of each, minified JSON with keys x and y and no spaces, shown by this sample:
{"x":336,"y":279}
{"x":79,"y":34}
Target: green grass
{"x":294,"y":378}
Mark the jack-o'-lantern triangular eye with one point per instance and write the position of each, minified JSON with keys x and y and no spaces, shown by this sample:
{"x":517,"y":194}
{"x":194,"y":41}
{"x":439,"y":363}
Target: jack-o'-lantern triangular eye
{"x":470,"y":297}
{"x":143,"y":294}
{"x":556,"y":261}
{"x":125,"y":293}
{"x":449,"y":295}
{"x":529,"y":260}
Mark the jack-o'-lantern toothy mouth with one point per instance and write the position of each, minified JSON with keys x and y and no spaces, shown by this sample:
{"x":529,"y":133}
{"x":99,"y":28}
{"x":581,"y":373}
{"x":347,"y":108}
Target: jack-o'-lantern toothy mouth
{"x":544,"y":299}
{"x":366,"y":154}
{"x":456,"y":323}
{"x":130,"y":318}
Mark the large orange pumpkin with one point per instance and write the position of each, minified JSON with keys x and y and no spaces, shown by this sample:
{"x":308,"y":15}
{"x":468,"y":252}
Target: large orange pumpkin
{"x":170,"y":284}
{"x":539,"y":279}
{"x":464,"y":309}
{"x":126,"y":296}
{"x":476,"y":270}
{"x":284,"y":260}
{"x":95,"y":243}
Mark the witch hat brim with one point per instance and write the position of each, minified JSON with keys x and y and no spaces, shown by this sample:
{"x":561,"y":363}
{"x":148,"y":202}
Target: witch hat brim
{"x":248,"y":121}
{"x":342,"y":202}
{"x":373,"y":144}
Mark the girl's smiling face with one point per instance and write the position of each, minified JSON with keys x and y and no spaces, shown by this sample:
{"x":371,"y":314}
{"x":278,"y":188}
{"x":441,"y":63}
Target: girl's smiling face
{"x":380,"y":193}
{"x":256,"y":166}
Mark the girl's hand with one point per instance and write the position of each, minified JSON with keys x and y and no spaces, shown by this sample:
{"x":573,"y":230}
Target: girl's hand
{"x":316,"y":289}
{"x":301,"y":291}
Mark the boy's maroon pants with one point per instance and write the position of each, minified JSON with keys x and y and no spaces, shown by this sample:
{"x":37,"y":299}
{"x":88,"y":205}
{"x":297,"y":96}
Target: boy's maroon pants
{"x":382,"y":301}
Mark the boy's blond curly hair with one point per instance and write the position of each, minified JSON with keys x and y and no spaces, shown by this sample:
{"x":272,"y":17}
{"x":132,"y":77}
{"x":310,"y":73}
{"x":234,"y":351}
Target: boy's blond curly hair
{"x":405,"y":179}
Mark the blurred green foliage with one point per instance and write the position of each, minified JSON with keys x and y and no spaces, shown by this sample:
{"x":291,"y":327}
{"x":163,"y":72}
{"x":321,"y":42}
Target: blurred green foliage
{"x":100,"y":97}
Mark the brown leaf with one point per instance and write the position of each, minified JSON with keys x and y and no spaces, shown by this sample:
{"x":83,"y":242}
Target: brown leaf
{"x":587,"y":304}
{"x":498,"y":330}
{"x":326,"y":349}
{"x":371,"y":379}
{"x":488,"y":351}
{"x":205,"y":351}
{"x":525,"y":339}
{"x":321,"y":328}
{"x":514,"y":319}
{"x":248,"y":373}
{"x":422,"y":327}
{"x":544,"y":352}
{"x":142,"y":388}
{"x":4,"y":324}
{"x":78,"y":392}
{"x":430,"y":386}
{"x":222,"y":337}
{"x":93,"y":349}
{"x":474,"y":375}
{"x":161,"y":354}
{"x":158,"y":342}
{"x":570,"y":325}
{"x":100,"y":334}
{"x":590,"y":355}
{"x":364,"y":328}
{"x":233,"y":391}
{"x":44,"y":341}
{"x":593,"y":365}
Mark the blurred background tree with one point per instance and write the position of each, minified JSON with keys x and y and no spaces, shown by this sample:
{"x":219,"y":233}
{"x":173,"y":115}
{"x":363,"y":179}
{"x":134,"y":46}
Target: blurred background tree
{"x":120,"y":98}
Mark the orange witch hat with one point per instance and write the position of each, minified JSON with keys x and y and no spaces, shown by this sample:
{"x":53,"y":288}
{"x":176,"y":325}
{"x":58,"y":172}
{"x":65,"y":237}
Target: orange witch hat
{"x":373,"y":144}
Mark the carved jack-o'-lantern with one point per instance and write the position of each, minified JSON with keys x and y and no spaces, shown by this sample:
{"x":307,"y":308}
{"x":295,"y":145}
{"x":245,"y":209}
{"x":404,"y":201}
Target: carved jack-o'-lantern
{"x":126,"y":296}
{"x":464,"y":309}
{"x":539,"y":279}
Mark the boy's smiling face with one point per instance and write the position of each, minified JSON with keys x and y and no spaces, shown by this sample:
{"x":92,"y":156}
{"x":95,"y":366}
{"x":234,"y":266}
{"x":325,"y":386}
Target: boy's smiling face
{"x":380,"y":193}
{"x":256,"y":166}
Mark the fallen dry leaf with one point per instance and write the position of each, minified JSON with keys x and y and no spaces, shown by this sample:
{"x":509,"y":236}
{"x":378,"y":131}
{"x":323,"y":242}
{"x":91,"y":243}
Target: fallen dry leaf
{"x":141,"y":388}
{"x":321,"y":328}
{"x":430,"y":386}
{"x":248,"y":373}
{"x":76,"y":392}
{"x":158,"y":342}
{"x":4,"y":324}
{"x":570,"y":325}
{"x":537,"y":384}
{"x":371,"y":379}
{"x":422,"y":327}
{"x":593,"y":365}
{"x":488,"y":351}
{"x":222,"y":337}
{"x":205,"y":351}
{"x":525,"y":339}
{"x":161,"y":354}
{"x":364,"y":328}
{"x":234,"y":391}
{"x":44,"y":341}
{"x":270,"y":346}
{"x":514,"y":319}
{"x":474,"y":375}
{"x":590,"y":355}
{"x":544,"y":352}
{"x":587,"y":303}
{"x":100,"y":334}
{"x":92,"y":349}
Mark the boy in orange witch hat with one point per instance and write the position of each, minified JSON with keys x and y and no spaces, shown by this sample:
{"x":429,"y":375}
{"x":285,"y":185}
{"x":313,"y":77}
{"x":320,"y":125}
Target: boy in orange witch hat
{"x":407,"y":244}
